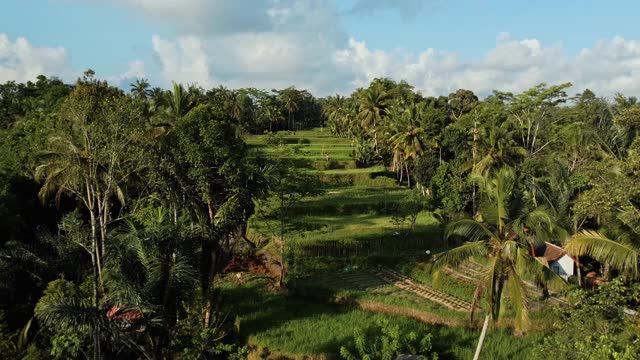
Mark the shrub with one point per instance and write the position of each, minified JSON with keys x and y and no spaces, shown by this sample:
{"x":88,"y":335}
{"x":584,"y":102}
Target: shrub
{"x":386,"y":342}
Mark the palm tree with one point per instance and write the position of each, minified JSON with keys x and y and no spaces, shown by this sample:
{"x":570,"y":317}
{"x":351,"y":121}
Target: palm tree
{"x":152,"y":267}
{"x":234,"y":103}
{"x":503,"y":236}
{"x":291,"y":99}
{"x":271,"y":111}
{"x":372,"y":108}
{"x":406,"y":139}
{"x":497,"y":149}
{"x":336,"y":111}
{"x":140,"y":89}
{"x":177,"y":103}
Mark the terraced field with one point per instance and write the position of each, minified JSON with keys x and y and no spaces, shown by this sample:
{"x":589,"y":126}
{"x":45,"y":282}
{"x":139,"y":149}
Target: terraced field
{"x":352,"y":221}
{"x":346,"y":251}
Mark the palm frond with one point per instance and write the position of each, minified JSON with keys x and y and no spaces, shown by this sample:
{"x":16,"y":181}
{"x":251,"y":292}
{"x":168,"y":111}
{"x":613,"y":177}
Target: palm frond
{"x":527,"y":265}
{"x":510,"y":250}
{"x":468,"y":229}
{"x":540,"y":222}
{"x":518,"y":296}
{"x":620,"y":255}
{"x":460,"y":254}
{"x":71,"y":314}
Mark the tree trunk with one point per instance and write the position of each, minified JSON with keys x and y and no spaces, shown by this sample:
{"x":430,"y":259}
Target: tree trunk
{"x":95,"y":247}
{"x":94,"y":232}
{"x":105,"y":220}
{"x":96,"y":297}
{"x":474,"y":152}
{"x":282,"y":254}
{"x":408,"y":175}
{"x":96,"y":345}
{"x":209,"y":278}
{"x":578,"y":271}
{"x":482,"y":335}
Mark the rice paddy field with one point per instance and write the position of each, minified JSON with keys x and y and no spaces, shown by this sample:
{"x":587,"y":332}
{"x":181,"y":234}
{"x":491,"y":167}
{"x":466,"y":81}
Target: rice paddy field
{"x":342,"y":236}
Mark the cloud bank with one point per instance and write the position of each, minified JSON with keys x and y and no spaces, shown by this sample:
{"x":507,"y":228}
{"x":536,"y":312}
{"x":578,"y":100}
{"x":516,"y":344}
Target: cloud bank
{"x":21,"y":61}
{"x":512,"y":65}
{"x":278,"y":43}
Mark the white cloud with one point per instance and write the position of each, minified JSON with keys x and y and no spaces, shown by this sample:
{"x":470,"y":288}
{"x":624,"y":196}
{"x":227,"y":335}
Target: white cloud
{"x":183,"y":61}
{"x":294,"y":48}
{"x":513,"y":65}
{"x":21,"y":61}
{"x":278,"y":43}
{"x":136,"y":70}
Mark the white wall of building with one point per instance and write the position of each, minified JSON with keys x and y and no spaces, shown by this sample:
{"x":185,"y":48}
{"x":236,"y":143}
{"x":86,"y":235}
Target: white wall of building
{"x":563,"y":266}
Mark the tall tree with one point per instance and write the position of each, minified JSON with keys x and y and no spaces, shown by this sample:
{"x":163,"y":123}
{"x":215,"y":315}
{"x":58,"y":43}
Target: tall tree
{"x":292,"y":99}
{"x":406,"y":139}
{"x":461,"y":102}
{"x":176,"y":104}
{"x":288,"y":186}
{"x":372,"y":108}
{"x":532,"y":113}
{"x":140,"y":89}
{"x":95,"y":152}
{"x":204,"y":165}
{"x":504,"y":236}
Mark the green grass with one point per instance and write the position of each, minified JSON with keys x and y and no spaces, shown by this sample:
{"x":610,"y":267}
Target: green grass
{"x":357,"y":285}
{"x":293,"y":325}
{"x":349,"y":226}
{"x":369,"y":170}
{"x":441,"y":281}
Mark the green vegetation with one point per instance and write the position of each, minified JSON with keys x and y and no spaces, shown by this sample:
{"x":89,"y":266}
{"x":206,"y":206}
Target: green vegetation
{"x":231,"y":224}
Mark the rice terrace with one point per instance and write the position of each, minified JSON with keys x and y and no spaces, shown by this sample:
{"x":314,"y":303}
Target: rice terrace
{"x":319,"y":180}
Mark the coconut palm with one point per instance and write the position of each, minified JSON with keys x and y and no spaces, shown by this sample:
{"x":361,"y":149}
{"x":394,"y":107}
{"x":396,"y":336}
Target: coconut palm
{"x":497,"y":148}
{"x":503,"y":236}
{"x":179,"y":102}
{"x":406,"y":139}
{"x":273,"y":114}
{"x":140,"y":89}
{"x":337,"y":113}
{"x":372,"y":108}
{"x":152,"y":267}
{"x":176,"y":103}
{"x":291,"y":99}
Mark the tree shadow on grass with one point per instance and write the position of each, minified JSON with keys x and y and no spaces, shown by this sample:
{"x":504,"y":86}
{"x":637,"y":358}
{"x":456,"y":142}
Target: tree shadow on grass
{"x":348,"y":203}
{"x":262,"y":310}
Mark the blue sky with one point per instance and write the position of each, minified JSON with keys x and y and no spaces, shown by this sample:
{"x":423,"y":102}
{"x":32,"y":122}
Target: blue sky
{"x":327,"y":45}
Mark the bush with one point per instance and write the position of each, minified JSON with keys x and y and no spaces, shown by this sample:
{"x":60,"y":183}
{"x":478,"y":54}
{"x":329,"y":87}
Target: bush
{"x":596,"y":327}
{"x":386,"y":342}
